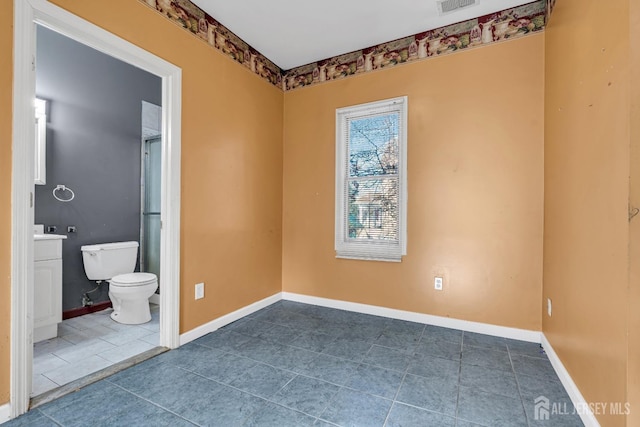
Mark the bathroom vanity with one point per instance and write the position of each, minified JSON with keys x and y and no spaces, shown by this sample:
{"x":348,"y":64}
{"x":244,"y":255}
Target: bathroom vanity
{"x":47,"y":286}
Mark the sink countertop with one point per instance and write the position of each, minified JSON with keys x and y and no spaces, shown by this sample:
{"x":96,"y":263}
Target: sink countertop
{"x":49,"y":237}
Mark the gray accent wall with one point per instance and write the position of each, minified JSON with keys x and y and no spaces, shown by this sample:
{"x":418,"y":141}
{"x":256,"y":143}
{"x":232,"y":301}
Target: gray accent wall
{"x":94,"y":130}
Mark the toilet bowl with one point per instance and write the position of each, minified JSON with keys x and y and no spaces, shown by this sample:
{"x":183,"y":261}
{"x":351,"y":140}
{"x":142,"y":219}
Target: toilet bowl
{"x":129,"y":294}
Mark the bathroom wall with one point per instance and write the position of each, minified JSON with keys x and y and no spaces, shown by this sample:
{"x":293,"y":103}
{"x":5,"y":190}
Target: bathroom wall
{"x":587,"y":158}
{"x":475,"y":181}
{"x":94,"y":131}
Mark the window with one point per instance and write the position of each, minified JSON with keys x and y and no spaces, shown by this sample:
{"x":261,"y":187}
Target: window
{"x":371,"y":189}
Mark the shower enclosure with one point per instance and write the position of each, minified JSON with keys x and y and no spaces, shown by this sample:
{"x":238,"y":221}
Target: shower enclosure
{"x":150,"y":218}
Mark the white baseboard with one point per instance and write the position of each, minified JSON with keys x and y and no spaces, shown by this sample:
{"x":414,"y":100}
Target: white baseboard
{"x":584,"y":410}
{"x":5,"y":413}
{"x":464,"y":325}
{"x":228,"y":318}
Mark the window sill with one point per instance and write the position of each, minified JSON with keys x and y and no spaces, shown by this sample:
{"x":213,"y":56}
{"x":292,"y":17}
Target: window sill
{"x":368,"y":258}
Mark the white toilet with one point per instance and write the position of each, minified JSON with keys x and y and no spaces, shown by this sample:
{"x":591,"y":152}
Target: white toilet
{"x":129,"y":292}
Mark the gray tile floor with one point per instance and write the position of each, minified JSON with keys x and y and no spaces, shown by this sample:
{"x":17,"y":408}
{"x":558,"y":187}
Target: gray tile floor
{"x":87,"y":344}
{"x":299,"y":365}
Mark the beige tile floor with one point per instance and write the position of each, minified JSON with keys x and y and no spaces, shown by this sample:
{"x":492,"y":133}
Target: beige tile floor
{"x":87,"y":344}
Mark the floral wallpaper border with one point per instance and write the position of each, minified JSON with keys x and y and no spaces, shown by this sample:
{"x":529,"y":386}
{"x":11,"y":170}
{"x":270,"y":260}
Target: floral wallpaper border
{"x":202,"y":25}
{"x":504,"y":25}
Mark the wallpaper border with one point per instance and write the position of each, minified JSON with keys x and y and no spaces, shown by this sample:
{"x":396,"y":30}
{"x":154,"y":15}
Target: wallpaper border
{"x":202,"y":25}
{"x":507,"y":24}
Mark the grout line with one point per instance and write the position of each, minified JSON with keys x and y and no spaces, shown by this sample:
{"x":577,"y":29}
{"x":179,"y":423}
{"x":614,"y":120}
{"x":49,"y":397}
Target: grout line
{"x":152,"y":402}
{"x":395,"y":398}
{"x":249,"y":393}
{"x":329,"y":402}
{"x":49,"y":418}
{"x":386,"y":418}
{"x":459,"y":377}
{"x":53,"y":420}
{"x":515,"y":376}
{"x":44,"y":375}
{"x":316,"y":417}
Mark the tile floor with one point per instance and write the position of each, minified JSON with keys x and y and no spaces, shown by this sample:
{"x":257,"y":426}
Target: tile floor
{"x":88,"y":344}
{"x":299,"y":365}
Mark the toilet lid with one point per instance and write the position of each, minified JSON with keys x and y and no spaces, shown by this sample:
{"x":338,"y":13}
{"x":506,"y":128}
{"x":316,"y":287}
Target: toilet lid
{"x":133,"y":279}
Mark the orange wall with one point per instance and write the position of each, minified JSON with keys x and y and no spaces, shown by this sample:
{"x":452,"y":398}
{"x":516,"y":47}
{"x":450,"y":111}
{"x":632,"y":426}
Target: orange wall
{"x":6,"y":90}
{"x":633,"y":357}
{"x":475,"y":180}
{"x":231,"y":167}
{"x":586,"y":193}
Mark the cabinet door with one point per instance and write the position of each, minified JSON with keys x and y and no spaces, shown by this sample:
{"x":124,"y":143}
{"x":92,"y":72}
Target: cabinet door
{"x":47,"y":289}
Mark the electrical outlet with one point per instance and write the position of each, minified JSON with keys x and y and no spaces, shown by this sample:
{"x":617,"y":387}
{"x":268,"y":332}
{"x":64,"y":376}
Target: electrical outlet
{"x":437,"y":284}
{"x":549,"y":306}
{"x":199,"y":290}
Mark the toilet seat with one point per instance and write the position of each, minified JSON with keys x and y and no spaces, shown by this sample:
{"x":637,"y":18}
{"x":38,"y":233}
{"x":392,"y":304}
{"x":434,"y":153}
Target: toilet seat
{"x":129,"y":280}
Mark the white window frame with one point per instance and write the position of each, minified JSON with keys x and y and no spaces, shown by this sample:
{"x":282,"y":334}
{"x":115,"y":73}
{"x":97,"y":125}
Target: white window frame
{"x":369,"y":250}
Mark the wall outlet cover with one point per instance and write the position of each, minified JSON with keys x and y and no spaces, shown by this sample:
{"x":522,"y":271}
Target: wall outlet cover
{"x":199,"y":290}
{"x":438,"y":283}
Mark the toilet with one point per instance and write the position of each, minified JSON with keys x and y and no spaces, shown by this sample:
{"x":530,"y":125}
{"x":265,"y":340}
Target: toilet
{"x":129,"y":292}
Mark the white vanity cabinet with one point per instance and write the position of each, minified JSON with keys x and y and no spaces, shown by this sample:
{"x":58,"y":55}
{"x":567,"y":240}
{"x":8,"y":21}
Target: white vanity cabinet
{"x":47,"y":286}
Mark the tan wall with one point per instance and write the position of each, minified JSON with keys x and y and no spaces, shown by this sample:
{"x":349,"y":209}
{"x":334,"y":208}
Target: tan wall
{"x":6,"y":90}
{"x":586,"y":192}
{"x":633,"y":357}
{"x":475,"y":177}
{"x":231,"y":167}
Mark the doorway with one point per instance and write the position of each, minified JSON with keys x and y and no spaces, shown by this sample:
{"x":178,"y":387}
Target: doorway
{"x":26,"y":15}
{"x":95,"y":107}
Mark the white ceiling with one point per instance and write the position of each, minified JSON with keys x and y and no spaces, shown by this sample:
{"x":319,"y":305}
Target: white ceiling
{"x":293,"y":32}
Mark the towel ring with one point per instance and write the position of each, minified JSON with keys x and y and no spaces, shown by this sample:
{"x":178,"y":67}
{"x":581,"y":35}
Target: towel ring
{"x":63,"y":188}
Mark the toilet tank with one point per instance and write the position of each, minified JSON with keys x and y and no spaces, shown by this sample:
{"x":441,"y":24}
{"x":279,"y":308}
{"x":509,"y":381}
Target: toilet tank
{"x":106,"y":260}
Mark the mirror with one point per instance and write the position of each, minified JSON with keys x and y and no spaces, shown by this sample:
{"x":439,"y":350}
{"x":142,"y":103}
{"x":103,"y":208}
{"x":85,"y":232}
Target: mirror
{"x":40,"y":171}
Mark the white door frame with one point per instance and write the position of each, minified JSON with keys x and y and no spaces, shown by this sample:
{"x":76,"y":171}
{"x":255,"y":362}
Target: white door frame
{"x":26,"y":14}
